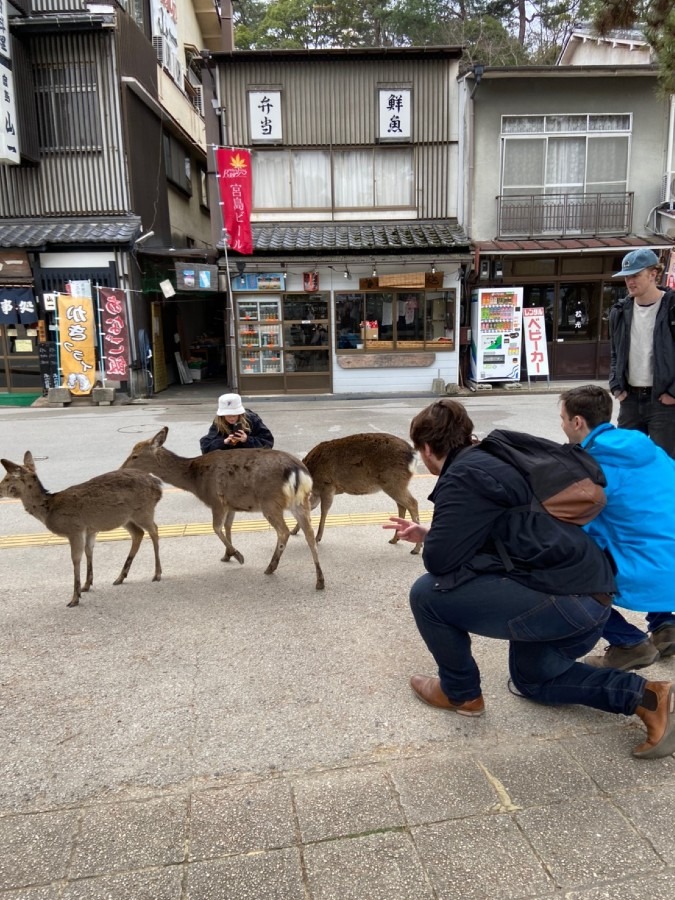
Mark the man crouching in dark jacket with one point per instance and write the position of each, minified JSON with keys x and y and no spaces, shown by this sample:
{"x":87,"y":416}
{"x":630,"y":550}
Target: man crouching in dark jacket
{"x":551,"y":606}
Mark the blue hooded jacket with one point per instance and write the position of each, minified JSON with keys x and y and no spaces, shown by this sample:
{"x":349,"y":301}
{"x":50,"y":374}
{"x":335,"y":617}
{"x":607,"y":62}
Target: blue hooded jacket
{"x":638,"y":524}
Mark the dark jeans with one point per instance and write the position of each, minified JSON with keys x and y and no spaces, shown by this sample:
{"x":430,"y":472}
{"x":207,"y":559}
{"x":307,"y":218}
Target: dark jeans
{"x":641,"y":412}
{"x":547,"y":635}
{"x":620,"y":633}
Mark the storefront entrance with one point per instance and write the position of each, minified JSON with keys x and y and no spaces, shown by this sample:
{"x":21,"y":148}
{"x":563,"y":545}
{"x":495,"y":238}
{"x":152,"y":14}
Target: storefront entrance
{"x":576,"y":296}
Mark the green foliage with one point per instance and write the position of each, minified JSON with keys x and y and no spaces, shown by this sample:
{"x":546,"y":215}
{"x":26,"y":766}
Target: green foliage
{"x":656,"y":18}
{"x":494,"y":32}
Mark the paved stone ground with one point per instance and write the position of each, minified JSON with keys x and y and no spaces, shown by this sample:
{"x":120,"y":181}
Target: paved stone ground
{"x":225,"y":734}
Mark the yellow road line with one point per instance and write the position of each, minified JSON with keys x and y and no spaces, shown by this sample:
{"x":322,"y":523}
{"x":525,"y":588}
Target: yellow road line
{"x":43,"y":539}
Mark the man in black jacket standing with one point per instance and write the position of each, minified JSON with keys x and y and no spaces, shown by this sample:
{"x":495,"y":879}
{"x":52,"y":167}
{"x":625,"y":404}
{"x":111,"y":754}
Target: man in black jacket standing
{"x":642,"y":368}
{"x":551,"y":604}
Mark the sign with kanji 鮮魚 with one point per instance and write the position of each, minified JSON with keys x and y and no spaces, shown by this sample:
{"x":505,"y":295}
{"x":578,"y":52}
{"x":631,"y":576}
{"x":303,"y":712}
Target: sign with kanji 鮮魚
{"x":395,"y":115}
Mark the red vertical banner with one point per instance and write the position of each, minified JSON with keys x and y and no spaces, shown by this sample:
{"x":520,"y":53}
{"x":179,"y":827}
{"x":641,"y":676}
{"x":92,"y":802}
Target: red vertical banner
{"x":234,"y":179}
{"x":114,"y":333}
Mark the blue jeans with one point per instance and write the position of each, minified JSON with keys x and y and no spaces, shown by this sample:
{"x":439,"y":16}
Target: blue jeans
{"x":547,"y":635}
{"x":643,"y":413}
{"x":620,"y":633}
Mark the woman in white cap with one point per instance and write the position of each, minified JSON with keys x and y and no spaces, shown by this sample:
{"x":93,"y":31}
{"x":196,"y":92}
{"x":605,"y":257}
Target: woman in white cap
{"x":234,"y":426}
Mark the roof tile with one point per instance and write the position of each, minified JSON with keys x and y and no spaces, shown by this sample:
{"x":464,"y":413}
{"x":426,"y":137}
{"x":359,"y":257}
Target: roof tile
{"x":369,"y":237}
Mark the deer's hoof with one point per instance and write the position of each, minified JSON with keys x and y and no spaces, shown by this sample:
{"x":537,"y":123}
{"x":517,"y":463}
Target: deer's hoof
{"x":415,"y":551}
{"x":158,"y":577}
{"x":320,"y":584}
{"x":394,"y":540}
{"x":74,"y":602}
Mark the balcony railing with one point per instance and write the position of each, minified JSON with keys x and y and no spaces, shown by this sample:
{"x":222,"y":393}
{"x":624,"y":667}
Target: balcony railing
{"x":565,"y":215}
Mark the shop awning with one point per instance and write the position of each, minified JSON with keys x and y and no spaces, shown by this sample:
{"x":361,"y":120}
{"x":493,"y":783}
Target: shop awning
{"x":570,"y":245}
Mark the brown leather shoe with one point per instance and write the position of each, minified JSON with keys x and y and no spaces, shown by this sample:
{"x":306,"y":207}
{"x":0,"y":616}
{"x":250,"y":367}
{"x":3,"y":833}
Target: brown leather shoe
{"x":660,"y":722}
{"x":429,"y":690}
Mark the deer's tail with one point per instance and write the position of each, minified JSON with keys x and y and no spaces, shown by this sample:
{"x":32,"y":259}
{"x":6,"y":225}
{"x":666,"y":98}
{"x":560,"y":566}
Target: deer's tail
{"x":297,"y":486}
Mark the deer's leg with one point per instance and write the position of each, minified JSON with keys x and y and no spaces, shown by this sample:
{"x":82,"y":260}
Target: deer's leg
{"x":276,"y":519}
{"x":147,"y":523}
{"x":303,"y":514}
{"x":153,"y":531}
{"x":89,"y":541}
{"x":76,"y":550}
{"x":326,"y":503}
{"x":136,"y":533}
{"x":406,"y":501}
{"x":224,"y":516}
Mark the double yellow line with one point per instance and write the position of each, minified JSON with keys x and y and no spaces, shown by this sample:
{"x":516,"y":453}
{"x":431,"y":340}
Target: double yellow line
{"x":195,"y":529}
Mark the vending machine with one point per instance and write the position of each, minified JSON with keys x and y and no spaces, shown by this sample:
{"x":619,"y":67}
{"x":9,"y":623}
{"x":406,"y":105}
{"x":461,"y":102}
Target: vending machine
{"x":496,"y":334}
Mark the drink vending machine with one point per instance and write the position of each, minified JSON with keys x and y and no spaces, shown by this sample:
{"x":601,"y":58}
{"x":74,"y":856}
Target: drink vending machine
{"x":496,"y":334}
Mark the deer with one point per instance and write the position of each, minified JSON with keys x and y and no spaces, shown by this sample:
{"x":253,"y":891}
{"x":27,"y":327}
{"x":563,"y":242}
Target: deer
{"x":266,"y":481}
{"x":362,"y":464}
{"x":114,"y":500}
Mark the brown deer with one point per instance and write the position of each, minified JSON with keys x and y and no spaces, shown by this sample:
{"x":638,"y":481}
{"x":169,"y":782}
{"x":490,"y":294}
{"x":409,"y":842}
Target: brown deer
{"x":268,"y":481}
{"x":362,"y":464}
{"x":114,"y":500}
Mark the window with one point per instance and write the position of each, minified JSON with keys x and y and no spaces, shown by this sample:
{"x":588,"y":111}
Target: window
{"x":566,"y":154}
{"x":399,"y":320}
{"x":177,"y":162}
{"x":203,"y":188}
{"x":352,"y":179}
{"x":68,"y":107}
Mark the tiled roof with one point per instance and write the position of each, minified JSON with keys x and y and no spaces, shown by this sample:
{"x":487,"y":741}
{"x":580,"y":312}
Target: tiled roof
{"x":621,"y":244}
{"x":41,"y":232}
{"x":359,"y":238}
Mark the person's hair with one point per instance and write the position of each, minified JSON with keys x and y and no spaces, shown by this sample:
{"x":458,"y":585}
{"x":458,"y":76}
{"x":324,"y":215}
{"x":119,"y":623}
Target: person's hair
{"x":445,"y":426}
{"x":660,"y":269}
{"x":224,"y":427}
{"x":590,"y":401}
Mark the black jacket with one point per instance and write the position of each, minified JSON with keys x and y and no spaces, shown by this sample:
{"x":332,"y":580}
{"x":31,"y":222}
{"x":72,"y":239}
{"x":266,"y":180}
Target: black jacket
{"x":259,"y":436}
{"x":478,"y":498}
{"x":620,"y":319}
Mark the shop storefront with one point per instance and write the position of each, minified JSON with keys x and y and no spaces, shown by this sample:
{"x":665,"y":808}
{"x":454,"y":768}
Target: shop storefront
{"x":19,"y":336}
{"x":350,"y":332}
{"x":576,"y":291}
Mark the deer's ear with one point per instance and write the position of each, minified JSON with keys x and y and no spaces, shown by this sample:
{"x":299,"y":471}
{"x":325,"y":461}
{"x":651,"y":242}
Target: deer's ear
{"x":160,"y":437}
{"x":28,"y":460}
{"x":9,"y":465}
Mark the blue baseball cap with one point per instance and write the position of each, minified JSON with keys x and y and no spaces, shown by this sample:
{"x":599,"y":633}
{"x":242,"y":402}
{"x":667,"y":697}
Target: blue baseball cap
{"x":636,"y":261}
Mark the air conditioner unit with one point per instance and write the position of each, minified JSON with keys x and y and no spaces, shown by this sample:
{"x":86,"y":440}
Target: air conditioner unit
{"x":668,"y":188}
{"x":161,"y":49}
{"x":198,"y":99}
{"x":176,"y":70}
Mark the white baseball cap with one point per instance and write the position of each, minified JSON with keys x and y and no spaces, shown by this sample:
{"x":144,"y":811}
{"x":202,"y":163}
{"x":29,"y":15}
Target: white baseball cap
{"x":230,"y":405}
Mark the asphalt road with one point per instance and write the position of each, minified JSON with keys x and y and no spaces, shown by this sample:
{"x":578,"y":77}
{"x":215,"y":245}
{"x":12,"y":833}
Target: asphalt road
{"x":226,"y":734}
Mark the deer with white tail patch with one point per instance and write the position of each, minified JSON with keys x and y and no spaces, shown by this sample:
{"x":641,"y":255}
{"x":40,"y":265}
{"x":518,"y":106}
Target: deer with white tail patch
{"x":266,"y":481}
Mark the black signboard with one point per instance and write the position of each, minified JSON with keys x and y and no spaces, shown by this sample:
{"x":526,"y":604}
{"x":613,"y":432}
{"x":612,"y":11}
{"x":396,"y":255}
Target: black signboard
{"x":49,"y":369}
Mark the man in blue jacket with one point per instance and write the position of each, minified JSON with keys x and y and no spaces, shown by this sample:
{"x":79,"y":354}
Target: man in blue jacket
{"x":551,"y":604}
{"x":637,"y":526}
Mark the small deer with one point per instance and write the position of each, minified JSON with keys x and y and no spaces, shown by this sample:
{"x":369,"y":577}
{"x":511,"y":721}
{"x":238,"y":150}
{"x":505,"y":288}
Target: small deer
{"x":362,"y":464}
{"x":114,"y":500}
{"x":268,"y":481}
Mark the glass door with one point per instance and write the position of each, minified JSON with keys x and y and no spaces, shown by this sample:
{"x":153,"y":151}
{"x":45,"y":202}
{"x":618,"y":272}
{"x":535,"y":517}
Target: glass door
{"x":259,"y":352}
{"x":306,"y":342}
